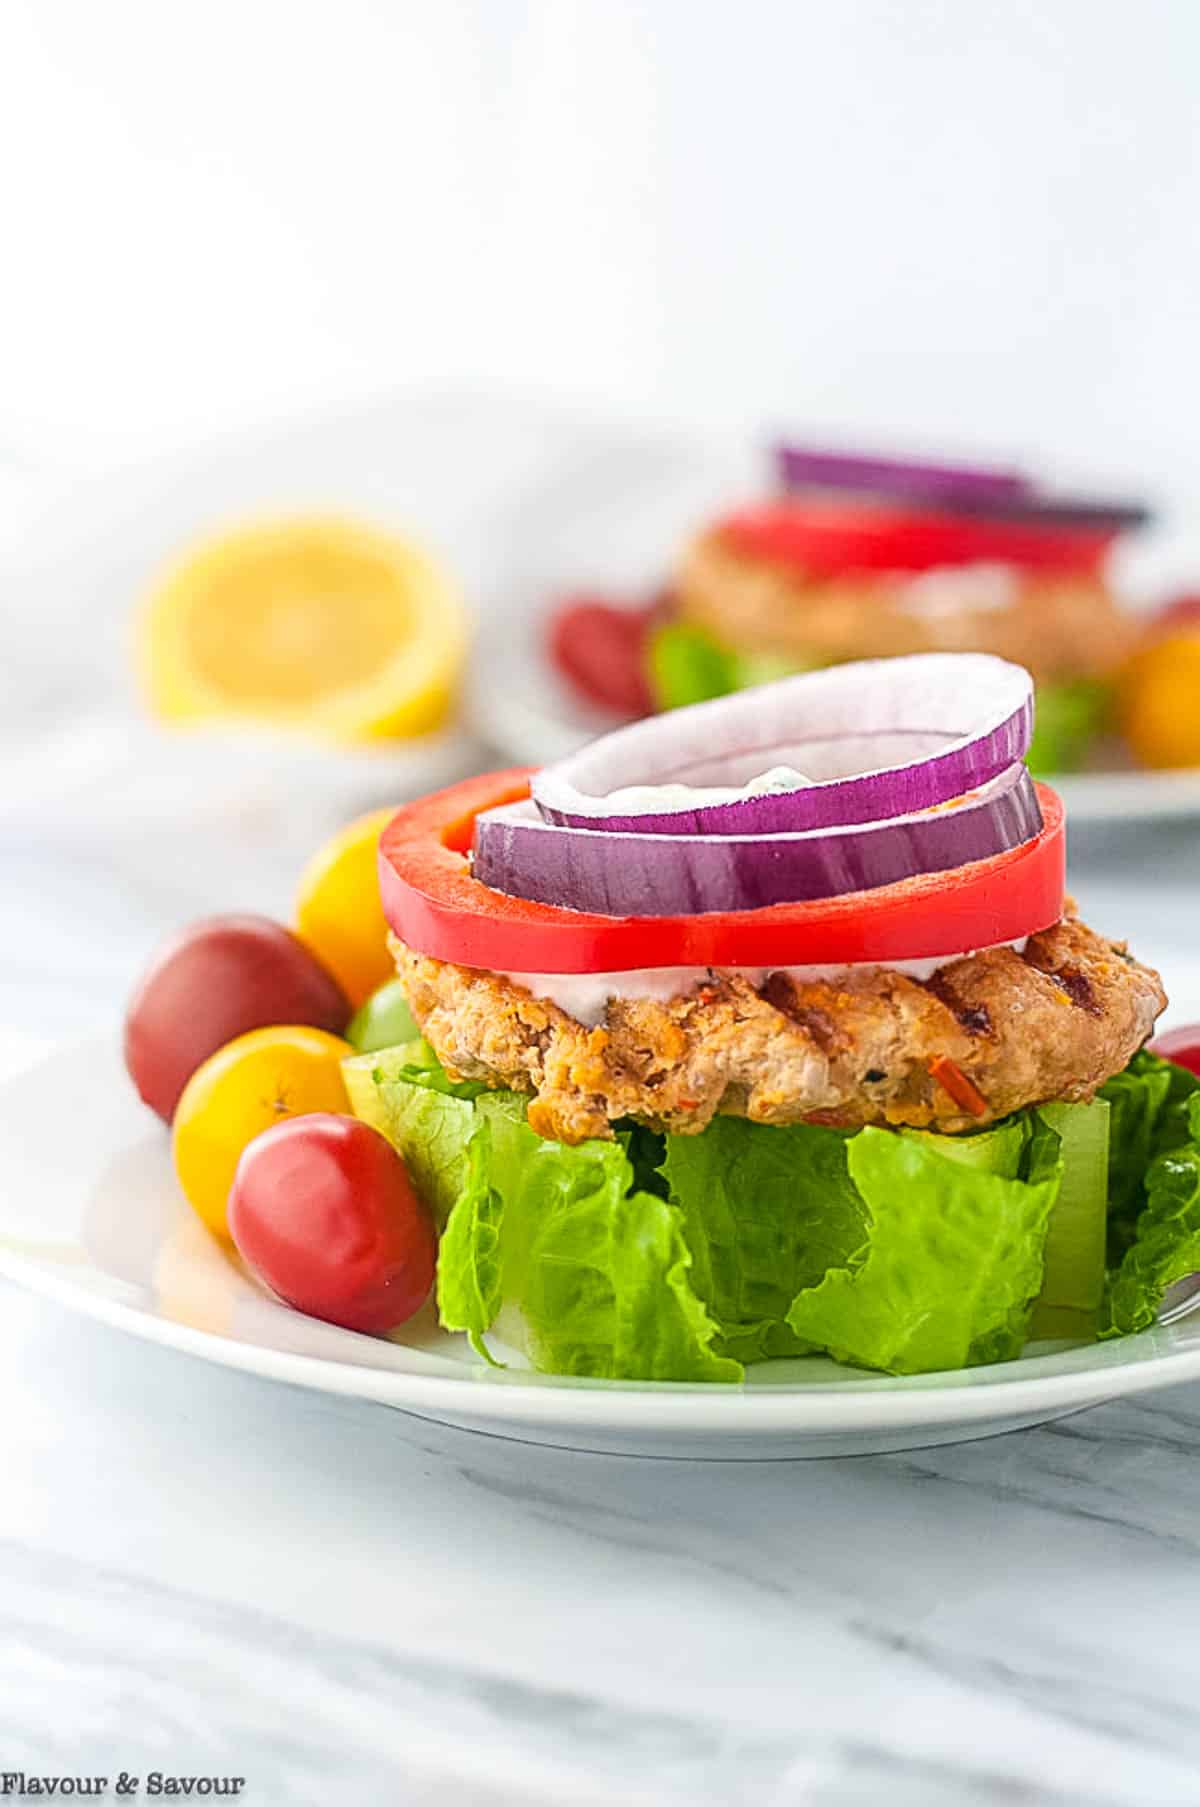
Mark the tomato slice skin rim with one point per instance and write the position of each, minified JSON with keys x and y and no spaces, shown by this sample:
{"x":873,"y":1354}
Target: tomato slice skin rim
{"x":436,"y":907}
{"x":830,"y":541}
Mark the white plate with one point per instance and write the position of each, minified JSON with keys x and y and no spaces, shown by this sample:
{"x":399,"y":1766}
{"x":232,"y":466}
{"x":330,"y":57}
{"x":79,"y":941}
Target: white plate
{"x":90,"y":1215}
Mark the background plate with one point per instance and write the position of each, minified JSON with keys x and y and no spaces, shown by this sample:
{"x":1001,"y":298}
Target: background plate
{"x":93,"y":1219}
{"x":521,"y":706}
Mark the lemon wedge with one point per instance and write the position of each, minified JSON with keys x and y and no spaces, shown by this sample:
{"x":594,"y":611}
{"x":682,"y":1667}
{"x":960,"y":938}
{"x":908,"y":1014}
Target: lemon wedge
{"x":316,"y":623}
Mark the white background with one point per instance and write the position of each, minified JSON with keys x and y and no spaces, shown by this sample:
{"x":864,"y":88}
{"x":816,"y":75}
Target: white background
{"x":970,"y":222}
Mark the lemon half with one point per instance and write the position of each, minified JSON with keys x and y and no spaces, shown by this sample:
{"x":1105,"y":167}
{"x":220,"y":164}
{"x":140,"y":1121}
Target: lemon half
{"x":316,"y":623}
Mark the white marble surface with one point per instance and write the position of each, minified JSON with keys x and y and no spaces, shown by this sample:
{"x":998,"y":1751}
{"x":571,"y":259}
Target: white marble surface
{"x":202,"y":1572}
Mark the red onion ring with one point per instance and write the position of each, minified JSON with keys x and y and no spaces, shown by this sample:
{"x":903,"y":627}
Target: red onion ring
{"x":913,"y":479}
{"x":1091,"y":514}
{"x":999,"y":493}
{"x":880,"y":738}
{"x":686,"y":873}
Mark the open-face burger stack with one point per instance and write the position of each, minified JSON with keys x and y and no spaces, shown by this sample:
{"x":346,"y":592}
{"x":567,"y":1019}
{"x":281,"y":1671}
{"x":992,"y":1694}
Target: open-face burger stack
{"x":863,"y":557}
{"x":766,"y":1028}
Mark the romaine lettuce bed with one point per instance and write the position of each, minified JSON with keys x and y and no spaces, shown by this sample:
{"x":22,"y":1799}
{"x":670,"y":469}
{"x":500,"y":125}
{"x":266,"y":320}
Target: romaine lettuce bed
{"x":688,"y":1257}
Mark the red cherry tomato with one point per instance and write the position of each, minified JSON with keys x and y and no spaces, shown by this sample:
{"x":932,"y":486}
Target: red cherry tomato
{"x":1181,"y":1045}
{"x":1181,"y":612}
{"x":601,"y":650}
{"x":323,"y":1211}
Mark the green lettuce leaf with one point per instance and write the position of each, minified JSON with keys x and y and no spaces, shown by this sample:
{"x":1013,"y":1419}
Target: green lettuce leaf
{"x":556,"y":1246}
{"x":1149,"y":1104}
{"x":383,"y":1021}
{"x":953,"y":1262}
{"x":417,"y":1064}
{"x":470,"y":1288}
{"x":683,"y":1257}
{"x":428,"y":1119}
{"x":1073,"y":1262}
{"x":1176,"y":1126}
{"x":686,"y":665}
{"x":595,"y":1272}
{"x":1001,"y":1149}
{"x":1068,"y":718}
{"x":1164,"y":1245}
{"x":751,"y":669}
{"x":899,"y":1250}
{"x":645,"y":1150}
{"x":1136,"y":1099}
{"x":767,"y":1212}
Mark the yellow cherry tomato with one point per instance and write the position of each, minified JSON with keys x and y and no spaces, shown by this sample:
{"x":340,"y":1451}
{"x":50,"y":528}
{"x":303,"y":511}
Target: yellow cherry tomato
{"x":1160,"y":702}
{"x":338,"y":912}
{"x":242,"y":1089}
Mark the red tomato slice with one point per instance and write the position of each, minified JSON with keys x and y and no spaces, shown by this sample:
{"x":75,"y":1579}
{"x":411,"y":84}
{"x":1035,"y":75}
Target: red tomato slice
{"x":435,"y":906}
{"x":826,"y":540}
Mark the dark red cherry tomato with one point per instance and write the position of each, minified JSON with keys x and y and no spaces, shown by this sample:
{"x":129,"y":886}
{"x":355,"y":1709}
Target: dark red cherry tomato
{"x":1181,"y":1045}
{"x":323,"y":1211}
{"x":216,"y":980}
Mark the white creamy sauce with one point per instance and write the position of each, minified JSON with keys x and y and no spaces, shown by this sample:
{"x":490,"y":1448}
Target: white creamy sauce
{"x":981,"y":589}
{"x":585,"y":996}
{"x":641,"y":799}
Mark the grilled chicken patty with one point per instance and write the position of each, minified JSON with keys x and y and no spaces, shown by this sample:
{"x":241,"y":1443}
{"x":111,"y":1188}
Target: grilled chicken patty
{"x":871,"y":1046}
{"x":1059,"y":625}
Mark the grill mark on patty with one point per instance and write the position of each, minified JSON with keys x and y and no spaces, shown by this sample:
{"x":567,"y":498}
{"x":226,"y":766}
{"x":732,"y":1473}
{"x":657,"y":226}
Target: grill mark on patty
{"x":1070,"y":980}
{"x":1079,"y":989}
{"x":780,"y":993}
{"x":974,"y":1018}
